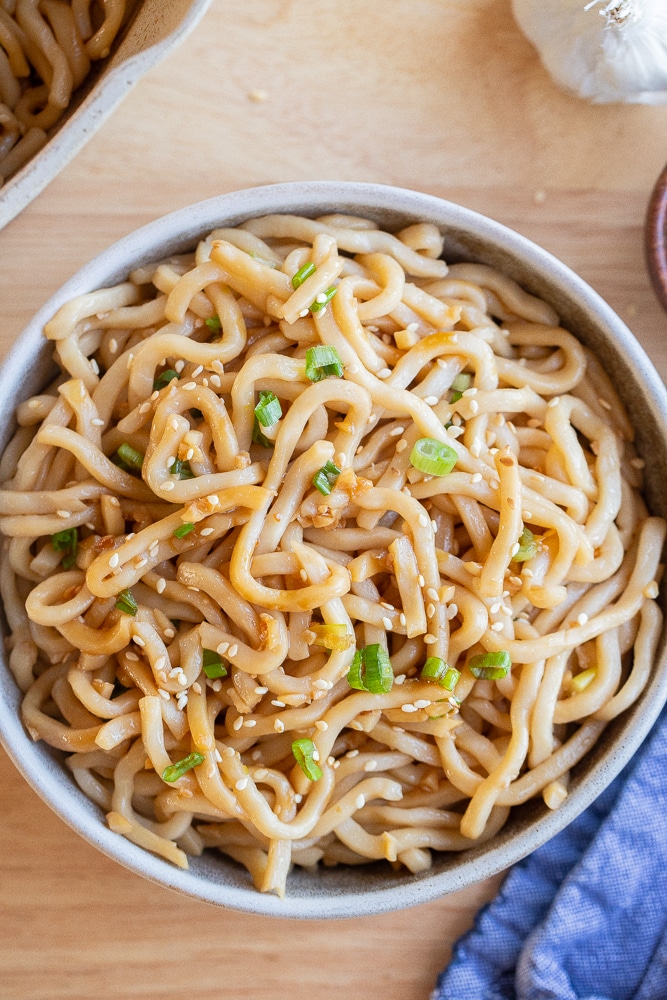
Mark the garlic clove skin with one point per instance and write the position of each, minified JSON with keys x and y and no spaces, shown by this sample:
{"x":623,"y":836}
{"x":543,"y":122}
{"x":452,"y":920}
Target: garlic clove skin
{"x":603,"y":52}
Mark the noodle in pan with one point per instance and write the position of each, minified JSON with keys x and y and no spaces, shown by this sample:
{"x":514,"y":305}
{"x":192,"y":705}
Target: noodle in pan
{"x":320,"y":550}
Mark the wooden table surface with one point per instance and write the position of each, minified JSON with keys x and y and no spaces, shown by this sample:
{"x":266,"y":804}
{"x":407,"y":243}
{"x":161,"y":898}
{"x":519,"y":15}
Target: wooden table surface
{"x":443,"y":96}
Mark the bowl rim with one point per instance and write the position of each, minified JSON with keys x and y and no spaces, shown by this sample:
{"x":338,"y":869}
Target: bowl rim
{"x":181,"y":228}
{"x":114,"y":84}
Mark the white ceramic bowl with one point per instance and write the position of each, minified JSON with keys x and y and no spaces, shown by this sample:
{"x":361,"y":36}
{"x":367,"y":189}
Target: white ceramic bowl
{"x":155,"y":29}
{"x":374,"y":888}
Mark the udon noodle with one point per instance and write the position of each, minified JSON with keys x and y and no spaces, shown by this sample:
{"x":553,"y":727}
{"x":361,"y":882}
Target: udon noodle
{"x":46,"y":51}
{"x":317,"y":550}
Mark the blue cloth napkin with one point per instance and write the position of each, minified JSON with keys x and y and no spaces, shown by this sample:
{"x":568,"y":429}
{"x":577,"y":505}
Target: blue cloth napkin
{"x":585,"y":916}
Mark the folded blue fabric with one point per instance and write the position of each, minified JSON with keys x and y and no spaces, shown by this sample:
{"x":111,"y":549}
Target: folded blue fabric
{"x":585,"y":916}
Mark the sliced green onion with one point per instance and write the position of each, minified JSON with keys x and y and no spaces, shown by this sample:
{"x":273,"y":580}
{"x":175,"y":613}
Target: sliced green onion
{"x":184,"y":529}
{"x":433,"y":457}
{"x":581,"y":681}
{"x":322,"y":361}
{"x":304,"y":754}
{"x":268,"y":411}
{"x":212,"y":664}
{"x":130,"y":456}
{"x":176,"y":771}
{"x":66,"y":541}
{"x":527,"y":547}
{"x":258,"y":437}
{"x":322,"y":299}
{"x":490,"y":666}
{"x":126,"y":603}
{"x":324,"y":478}
{"x":164,"y":379}
{"x":435,"y":669}
{"x":214,"y":324}
{"x":181,"y":469}
{"x":303,"y":273}
{"x":336,"y":637}
{"x":371,"y":670}
{"x":461,"y":382}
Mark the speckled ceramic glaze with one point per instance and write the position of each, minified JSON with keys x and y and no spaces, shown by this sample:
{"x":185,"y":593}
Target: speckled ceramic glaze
{"x":353,"y":891}
{"x":156,"y":28}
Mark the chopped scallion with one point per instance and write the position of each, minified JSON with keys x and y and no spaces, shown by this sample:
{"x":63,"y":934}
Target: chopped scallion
{"x":268,"y":411}
{"x":213,"y":664}
{"x":322,"y":361}
{"x":461,"y":382}
{"x":260,"y":438}
{"x":126,"y":603}
{"x":433,"y":458}
{"x":176,"y":771}
{"x":304,"y":754}
{"x":184,"y":529}
{"x":322,"y":299}
{"x":581,"y":681}
{"x":435,"y":669}
{"x":527,"y":547}
{"x":324,"y":478}
{"x":67,"y":542}
{"x":336,"y":637}
{"x":371,"y":670}
{"x":130,"y":456}
{"x":164,"y":379}
{"x":214,"y":324}
{"x":490,"y":666}
{"x":181,"y":469}
{"x":303,"y":273}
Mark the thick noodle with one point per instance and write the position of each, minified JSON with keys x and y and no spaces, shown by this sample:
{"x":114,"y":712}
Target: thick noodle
{"x":226,"y":565}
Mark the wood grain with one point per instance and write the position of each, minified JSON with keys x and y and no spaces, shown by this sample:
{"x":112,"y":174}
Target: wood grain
{"x":443,"y":96}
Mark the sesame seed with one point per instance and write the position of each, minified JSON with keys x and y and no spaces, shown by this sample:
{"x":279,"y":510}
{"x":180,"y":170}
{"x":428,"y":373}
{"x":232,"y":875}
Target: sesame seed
{"x":237,"y":723}
{"x":650,"y":591}
{"x":401,"y":446}
{"x":205,"y":532}
{"x":139,"y":641}
{"x":216,"y":685}
{"x":553,"y":402}
{"x":396,"y":431}
{"x":213,"y":500}
{"x":387,"y":623}
{"x":582,"y":618}
{"x":250,"y":723}
{"x":322,"y":684}
{"x":527,"y":515}
{"x":423,"y":520}
{"x":160,"y":663}
{"x":402,"y":619}
{"x":228,"y":752}
{"x":279,"y":726}
{"x":198,"y":370}
{"x":303,"y":575}
{"x":421,"y":581}
{"x":430,"y":639}
{"x":196,"y":687}
{"x":261,"y":690}
{"x":233,"y":650}
{"x":179,"y":366}
{"x":474,"y":406}
{"x":495,"y":608}
{"x":422,"y":703}
{"x":476,"y":477}
{"x":278,"y":703}
{"x":452,"y":611}
{"x":399,"y":679}
{"x":182,"y":679}
{"x":217,"y":755}
{"x":169,"y":633}
{"x":163,"y":694}
{"x":241,"y":784}
{"x":260,"y":774}
{"x":97,"y":422}
{"x":190,"y":385}
{"x":360,"y":802}
{"x":408,"y":707}
{"x":94,"y":365}
{"x":64,"y":513}
{"x":132,"y":656}
{"x":215,"y":381}
{"x":515,"y":548}
{"x":352,"y":753}
{"x":430,"y":610}
{"x":168,"y":486}
{"x":162,"y":677}
{"x":352,"y":369}
{"x":384,"y":373}
{"x":145,"y":407}
{"x":497,"y":627}
{"x":431,"y":400}
{"x":182,"y":701}
{"x":494,"y":484}
{"x":113,"y":345}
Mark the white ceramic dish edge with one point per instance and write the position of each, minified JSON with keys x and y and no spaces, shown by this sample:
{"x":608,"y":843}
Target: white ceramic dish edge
{"x":113,"y":86}
{"x":381,"y":889}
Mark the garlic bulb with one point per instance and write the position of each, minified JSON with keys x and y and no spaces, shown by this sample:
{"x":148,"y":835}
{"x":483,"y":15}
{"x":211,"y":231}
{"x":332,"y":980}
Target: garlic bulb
{"x":604,"y":50}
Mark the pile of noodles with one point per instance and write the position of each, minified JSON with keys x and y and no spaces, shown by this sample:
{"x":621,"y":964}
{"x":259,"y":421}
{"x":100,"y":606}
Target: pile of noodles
{"x":46,"y":51}
{"x":191,"y":615}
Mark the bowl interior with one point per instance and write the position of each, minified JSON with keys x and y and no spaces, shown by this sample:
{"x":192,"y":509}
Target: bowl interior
{"x":354,"y":891}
